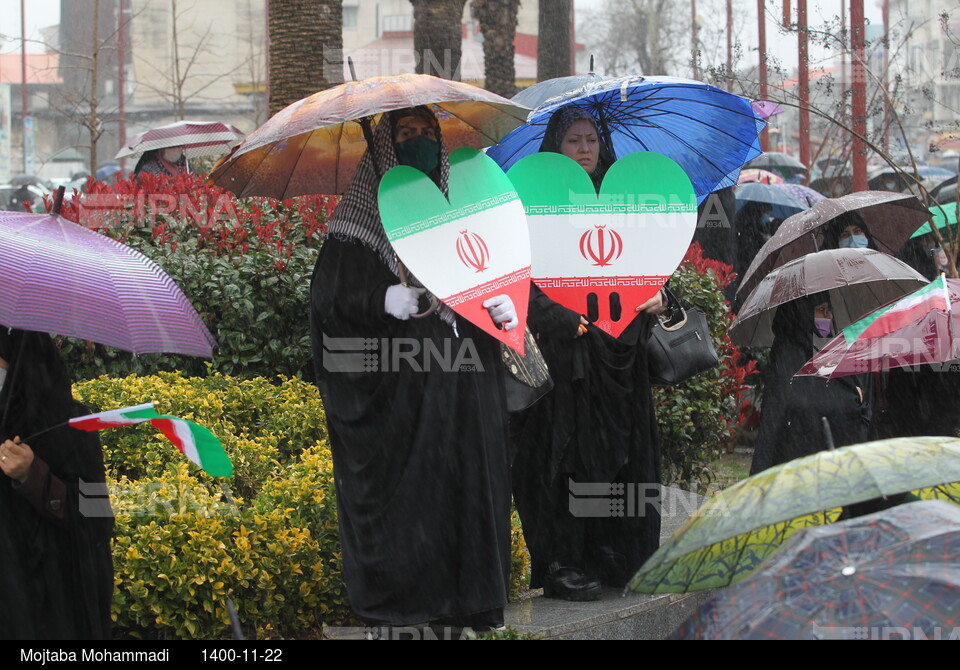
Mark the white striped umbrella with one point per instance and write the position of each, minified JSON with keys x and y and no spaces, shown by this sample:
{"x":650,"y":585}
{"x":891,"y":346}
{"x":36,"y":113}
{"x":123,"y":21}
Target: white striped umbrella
{"x":198,"y":138}
{"x":59,"y":277}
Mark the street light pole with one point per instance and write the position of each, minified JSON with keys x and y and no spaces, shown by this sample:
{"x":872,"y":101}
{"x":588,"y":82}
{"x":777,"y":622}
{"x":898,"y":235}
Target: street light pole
{"x":693,"y":38}
{"x":730,"y":45}
{"x":803,"y":62}
{"x":23,"y":81}
{"x":858,"y":91}
{"x":762,"y":28}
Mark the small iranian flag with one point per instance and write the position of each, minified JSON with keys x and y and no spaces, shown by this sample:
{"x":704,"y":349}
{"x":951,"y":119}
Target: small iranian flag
{"x":907,"y":310}
{"x":196,"y":442}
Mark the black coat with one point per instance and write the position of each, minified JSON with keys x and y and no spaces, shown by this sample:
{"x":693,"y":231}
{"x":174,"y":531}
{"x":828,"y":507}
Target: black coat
{"x":791,"y":418}
{"x":56,"y":571}
{"x":596,"y":425}
{"x":420,"y":455}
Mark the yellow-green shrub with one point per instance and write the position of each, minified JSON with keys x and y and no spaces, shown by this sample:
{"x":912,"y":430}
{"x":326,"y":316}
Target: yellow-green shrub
{"x":269,"y":542}
{"x":181,"y":550}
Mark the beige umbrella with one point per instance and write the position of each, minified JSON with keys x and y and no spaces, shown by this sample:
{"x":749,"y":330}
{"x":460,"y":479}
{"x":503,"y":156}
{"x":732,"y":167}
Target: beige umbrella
{"x":890,"y":217}
{"x":858,"y":281}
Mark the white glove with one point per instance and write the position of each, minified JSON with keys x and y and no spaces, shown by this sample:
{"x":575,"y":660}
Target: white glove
{"x":502,"y":311}
{"x":402,"y":301}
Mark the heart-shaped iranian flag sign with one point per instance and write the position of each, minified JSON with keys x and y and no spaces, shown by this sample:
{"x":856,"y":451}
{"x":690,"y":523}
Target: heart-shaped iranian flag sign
{"x":468,"y":249}
{"x":604,"y":255}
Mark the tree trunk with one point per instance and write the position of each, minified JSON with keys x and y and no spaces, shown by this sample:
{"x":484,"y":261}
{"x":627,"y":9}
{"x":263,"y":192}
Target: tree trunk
{"x":306,"y":49}
{"x":437,"y":37}
{"x":498,"y":23}
{"x":553,"y":44}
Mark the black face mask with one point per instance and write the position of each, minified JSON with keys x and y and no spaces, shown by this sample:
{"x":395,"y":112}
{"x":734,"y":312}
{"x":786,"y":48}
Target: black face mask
{"x":418,"y":152}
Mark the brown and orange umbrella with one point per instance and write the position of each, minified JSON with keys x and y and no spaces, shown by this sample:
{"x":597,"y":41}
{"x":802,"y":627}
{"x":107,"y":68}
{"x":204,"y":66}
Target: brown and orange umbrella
{"x":315,"y":144}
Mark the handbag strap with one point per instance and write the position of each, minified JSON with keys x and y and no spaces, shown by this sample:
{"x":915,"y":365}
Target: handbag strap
{"x":677,"y":313}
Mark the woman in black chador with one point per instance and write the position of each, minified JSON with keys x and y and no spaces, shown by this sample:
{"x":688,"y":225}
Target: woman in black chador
{"x":597,"y":425}
{"x":419,"y":449}
{"x":791,"y":418}
{"x":56,"y":572}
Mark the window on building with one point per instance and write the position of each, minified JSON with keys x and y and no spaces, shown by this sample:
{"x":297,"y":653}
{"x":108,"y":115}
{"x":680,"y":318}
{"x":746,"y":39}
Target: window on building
{"x":350,"y":16}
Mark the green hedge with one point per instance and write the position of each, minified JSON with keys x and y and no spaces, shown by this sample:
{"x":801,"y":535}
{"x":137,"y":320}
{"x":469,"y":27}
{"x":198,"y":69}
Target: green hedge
{"x":269,"y":542}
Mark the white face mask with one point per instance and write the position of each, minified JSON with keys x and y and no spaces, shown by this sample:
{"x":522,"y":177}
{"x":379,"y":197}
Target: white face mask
{"x":172,"y":155}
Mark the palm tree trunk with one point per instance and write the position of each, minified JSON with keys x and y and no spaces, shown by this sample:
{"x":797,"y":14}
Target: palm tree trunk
{"x":437,"y":39}
{"x":498,"y":23}
{"x":553,"y":43}
{"x":306,"y":49}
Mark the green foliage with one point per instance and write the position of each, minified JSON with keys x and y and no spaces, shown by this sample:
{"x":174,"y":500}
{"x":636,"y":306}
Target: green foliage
{"x":245,"y":264}
{"x":257,"y":312}
{"x":269,"y":542}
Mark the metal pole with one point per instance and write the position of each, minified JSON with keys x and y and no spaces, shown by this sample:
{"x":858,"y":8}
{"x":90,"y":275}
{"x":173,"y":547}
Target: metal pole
{"x":121,"y":82}
{"x":573,"y":41}
{"x":730,"y":45}
{"x":693,"y":37}
{"x":762,"y":29}
{"x":859,"y":93}
{"x":266,"y":39}
{"x":803,"y":62}
{"x":23,"y":80}
{"x":887,"y":114}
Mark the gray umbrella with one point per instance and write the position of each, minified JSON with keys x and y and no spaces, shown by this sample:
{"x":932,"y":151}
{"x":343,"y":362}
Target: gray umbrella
{"x":890,"y":217}
{"x":859,"y":281}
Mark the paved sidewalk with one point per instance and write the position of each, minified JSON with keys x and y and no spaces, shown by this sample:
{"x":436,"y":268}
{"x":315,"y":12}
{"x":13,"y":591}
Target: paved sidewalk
{"x":616,"y":616}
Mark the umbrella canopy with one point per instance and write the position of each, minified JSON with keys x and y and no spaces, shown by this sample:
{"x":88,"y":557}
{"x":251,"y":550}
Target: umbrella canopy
{"x":29,"y":179}
{"x":943,"y":215}
{"x":918,"y":329}
{"x":198,"y":138}
{"x":890,"y":217}
{"x":889,"y":575}
{"x":709,"y":132}
{"x":760,"y":176}
{"x":887,"y":178}
{"x":62,"y":278}
{"x":777,"y":161}
{"x":541,"y":92}
{"x":804,"y":194}
{"x":765,"y":108}
{"x":315,"y":144}
{"x":783,"y":204}
{"x":858,"y":280}
{"x":736,"y":530}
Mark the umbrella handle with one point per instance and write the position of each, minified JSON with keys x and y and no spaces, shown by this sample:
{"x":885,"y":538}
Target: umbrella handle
{"x":404,"y":279}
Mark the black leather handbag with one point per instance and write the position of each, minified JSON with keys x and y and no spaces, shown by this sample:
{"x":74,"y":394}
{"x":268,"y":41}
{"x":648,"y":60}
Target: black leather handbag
{"x":680,"y":346}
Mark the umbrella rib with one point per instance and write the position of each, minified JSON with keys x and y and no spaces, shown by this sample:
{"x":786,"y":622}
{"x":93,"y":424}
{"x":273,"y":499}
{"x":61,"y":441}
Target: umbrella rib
{"x":685,"y":143}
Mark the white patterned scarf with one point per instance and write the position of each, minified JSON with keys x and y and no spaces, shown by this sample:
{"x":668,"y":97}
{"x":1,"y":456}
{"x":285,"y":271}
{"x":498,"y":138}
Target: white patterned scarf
{"x":357,"y":217}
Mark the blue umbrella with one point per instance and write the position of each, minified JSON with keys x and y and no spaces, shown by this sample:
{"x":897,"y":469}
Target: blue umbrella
{"x":784,"y":205}
{"x":709,"y":132}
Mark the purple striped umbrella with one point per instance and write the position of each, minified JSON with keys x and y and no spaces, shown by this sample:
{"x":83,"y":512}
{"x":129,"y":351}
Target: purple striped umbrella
{"x":59,"y":277}
{"x":765,"y":109}
{"x":802,"y":193}
{"x":198,"y":138}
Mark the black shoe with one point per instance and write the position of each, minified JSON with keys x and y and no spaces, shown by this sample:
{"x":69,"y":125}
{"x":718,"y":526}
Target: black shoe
{"x":612,"y":568}
{"x":570,"y":584}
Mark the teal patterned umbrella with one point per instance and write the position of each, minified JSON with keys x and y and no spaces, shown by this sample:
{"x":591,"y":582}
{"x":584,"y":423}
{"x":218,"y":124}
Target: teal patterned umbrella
{"x":731,"y":535}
